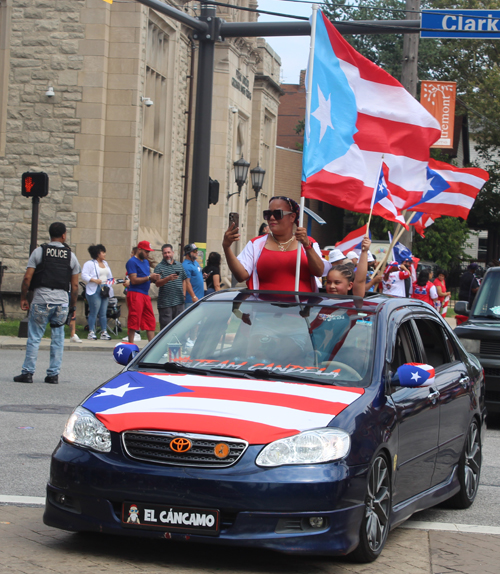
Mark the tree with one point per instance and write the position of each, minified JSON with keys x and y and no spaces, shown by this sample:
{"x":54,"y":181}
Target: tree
{"x":444,"y":242}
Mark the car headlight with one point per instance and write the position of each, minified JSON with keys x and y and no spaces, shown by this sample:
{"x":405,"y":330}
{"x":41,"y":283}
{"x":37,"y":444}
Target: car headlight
{"x":309,"y":447}
{"x":471,"y":345}
{"x":84,"y":429}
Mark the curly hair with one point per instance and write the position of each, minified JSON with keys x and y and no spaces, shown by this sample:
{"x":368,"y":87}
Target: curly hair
{"x":94,"y":250}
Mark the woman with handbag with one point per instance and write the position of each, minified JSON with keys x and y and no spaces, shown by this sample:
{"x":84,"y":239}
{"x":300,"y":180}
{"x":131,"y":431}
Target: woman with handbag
{"x":96,"y":273}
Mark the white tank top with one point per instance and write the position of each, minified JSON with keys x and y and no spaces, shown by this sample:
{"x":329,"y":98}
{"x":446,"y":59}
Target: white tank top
{"x":103,"y":273}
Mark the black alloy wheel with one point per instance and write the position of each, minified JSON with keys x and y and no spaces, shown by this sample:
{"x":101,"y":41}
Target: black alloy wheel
{"x":469,"y":469}
{"x":375,"y":524}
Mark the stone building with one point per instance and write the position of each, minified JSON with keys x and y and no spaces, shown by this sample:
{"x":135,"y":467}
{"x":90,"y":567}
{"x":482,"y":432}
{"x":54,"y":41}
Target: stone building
{"x":118,"y":167}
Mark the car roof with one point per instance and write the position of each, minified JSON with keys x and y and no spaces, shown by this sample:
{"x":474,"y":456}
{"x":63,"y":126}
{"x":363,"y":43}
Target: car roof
{"x":373,"y":303}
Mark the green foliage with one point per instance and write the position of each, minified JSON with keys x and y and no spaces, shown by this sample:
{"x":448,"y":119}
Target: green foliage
{"x":378,"y":225}
{"x":444,"y":242}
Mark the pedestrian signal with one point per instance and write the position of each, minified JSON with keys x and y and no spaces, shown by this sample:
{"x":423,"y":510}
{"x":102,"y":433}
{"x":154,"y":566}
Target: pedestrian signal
{"x":35,"y":184}
{"x":213,"y":191}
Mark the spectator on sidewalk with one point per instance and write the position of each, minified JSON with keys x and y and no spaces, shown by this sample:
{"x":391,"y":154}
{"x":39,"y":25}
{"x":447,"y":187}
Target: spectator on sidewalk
{"x":469,"y":284}
{"x":172,"y":286}
{"x":211,"y":273}
{"x":194,"y":273}
{"x":140,"y":309}
{"x":95,"y":273}
{"x":51,"y":269}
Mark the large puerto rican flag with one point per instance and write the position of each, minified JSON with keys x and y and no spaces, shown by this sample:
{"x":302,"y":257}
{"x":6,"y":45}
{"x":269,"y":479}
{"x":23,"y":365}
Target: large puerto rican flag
{"x":450,"y":190}
{"x":358,"y":113}
{"x":256,"y":411}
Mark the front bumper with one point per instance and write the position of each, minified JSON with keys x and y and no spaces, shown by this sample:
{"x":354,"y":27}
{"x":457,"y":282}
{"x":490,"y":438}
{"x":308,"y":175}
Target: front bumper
{"x":268,"y":508}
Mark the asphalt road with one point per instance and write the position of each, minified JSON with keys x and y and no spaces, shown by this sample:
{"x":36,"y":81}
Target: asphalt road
{"x":32,"y":418}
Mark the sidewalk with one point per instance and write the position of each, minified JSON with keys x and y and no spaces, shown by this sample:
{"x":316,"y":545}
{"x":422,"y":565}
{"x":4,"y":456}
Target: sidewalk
{"x":16,"y":343}
{"x":27,"y":546}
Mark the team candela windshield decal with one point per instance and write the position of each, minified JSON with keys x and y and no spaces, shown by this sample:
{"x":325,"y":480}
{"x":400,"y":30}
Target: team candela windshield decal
{"x":256,"y":411}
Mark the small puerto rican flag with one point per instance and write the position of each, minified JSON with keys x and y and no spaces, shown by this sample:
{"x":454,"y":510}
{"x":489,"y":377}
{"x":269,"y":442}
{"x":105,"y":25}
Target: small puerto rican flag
{"x":416,"y":375}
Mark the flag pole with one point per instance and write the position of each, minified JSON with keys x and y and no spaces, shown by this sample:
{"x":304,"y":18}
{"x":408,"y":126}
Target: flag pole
{"x":395,"y":238}
{"x":373,"y":197}
{"x":308,"y":115}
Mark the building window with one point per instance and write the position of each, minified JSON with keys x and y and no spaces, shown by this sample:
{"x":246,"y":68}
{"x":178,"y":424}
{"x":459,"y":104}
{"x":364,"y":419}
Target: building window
{"x":153,"y":141}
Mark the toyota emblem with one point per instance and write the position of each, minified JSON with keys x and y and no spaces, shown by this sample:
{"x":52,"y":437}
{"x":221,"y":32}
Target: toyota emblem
{"x":180,"y":444}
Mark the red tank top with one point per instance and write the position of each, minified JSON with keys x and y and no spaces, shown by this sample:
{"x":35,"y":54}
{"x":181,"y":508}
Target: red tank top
{"x":422,"y":292}
{"x":276,"y":271}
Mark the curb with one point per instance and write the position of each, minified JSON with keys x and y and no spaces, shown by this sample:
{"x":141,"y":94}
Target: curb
{"x":17,"y":344}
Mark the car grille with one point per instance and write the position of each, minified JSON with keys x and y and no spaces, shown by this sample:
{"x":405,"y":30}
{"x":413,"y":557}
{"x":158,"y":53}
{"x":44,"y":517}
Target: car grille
{"x":491,"y":372}
{"x":490,"y":348}
{"x":492,"y":397}
{"x":154,"y":446}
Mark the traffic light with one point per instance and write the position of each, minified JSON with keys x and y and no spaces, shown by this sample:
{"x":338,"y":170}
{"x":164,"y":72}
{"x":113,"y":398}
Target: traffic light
{"x":213,"y":191}
{"x":35,"y":184}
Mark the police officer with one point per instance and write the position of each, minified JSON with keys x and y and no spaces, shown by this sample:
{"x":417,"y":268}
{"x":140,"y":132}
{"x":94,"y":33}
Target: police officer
{"x":51,"y":269}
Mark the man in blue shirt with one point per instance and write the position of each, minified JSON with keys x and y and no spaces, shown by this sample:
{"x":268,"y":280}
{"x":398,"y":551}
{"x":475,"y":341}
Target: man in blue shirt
{"x":194,"y":273}
{"x":141,"y":316}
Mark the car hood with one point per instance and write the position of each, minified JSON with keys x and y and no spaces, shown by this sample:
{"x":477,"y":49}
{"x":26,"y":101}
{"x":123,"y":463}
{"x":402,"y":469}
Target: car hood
{"x":257,"y":411}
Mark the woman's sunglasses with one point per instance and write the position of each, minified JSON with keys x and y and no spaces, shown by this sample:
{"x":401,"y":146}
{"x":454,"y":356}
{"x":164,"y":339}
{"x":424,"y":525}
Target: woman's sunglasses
{"x":276,"y":213}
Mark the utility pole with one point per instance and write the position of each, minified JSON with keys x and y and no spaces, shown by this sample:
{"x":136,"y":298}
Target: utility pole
{"x":409,"y":77}
{"x":209,"y":29}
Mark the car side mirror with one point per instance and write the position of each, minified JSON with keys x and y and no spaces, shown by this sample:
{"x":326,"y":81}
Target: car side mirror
{"x":123,"y":353}
{"x":462,"y":308}
{"x":415,"y":375}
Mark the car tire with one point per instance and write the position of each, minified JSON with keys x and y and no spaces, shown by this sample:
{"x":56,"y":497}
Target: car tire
{"x":378,"y":502}
{"x":469,"y":469}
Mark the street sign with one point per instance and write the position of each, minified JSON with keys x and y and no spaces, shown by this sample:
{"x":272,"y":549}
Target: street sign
{"x":479,"y":24}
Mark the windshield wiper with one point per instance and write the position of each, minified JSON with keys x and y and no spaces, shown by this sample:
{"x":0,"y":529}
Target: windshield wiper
{"x":273,"y":375}
{"x":181,"y":368}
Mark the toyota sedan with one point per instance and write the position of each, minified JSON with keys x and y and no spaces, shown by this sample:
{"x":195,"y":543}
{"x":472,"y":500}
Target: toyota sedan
{"x":296,"y":422}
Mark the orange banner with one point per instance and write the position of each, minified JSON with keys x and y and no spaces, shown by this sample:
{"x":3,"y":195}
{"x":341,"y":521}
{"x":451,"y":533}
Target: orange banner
{"x":438,"y":98}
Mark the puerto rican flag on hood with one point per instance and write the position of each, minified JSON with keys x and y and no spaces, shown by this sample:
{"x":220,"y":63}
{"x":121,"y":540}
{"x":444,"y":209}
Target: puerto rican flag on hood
{"x":256,"y":411}
{"x":416,"y":375}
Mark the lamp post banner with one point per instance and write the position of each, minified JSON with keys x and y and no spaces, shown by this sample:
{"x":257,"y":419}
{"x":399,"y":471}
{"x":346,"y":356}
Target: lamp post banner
{"x":438,"y":98}
{"x":470,"y":24}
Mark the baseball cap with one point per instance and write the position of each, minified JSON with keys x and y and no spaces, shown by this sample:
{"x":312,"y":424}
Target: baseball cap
{"x":473,"y":266}
{"x":370,"y":257}
{"x":145,"y":245}
{"x":190,"y":248}
{"x":352,"y":255}
{"x":335,"y":255}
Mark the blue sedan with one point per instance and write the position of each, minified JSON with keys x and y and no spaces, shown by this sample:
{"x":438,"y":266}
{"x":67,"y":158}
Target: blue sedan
{"x":302,"y":423}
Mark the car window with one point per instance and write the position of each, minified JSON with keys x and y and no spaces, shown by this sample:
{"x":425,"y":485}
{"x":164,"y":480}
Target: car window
{"x":487,"y":302}
{"x":328,"y":343}
{"x":434,"y":342}
{"x":404,"y":347}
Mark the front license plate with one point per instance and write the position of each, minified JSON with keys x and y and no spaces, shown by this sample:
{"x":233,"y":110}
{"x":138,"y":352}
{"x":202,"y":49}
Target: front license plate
{"x":171,"y":518}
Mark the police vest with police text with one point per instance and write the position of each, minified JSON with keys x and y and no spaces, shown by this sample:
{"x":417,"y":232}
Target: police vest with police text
{"x":54,"y":271}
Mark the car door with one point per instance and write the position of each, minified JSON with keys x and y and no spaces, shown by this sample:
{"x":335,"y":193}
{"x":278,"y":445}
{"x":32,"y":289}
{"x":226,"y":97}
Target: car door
{"x":418,"y":419}
{"x":454,"y":388}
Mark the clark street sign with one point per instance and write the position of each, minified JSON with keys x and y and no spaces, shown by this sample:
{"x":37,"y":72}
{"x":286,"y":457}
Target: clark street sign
{"x":482,"y":24}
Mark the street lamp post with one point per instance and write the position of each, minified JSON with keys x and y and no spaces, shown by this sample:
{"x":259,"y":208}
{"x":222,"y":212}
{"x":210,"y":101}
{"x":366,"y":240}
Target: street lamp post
{"x":257,"y":174}
{"x":240,"y":174}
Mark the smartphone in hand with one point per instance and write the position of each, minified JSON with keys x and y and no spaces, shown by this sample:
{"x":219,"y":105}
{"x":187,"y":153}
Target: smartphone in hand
{"x":234,"y":218}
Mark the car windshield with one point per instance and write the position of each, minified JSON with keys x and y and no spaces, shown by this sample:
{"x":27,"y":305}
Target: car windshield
{"x":487,"y":302}
{"x":327,"y":343}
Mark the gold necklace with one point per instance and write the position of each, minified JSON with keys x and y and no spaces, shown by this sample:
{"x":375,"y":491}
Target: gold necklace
{"x":283,"y":246}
